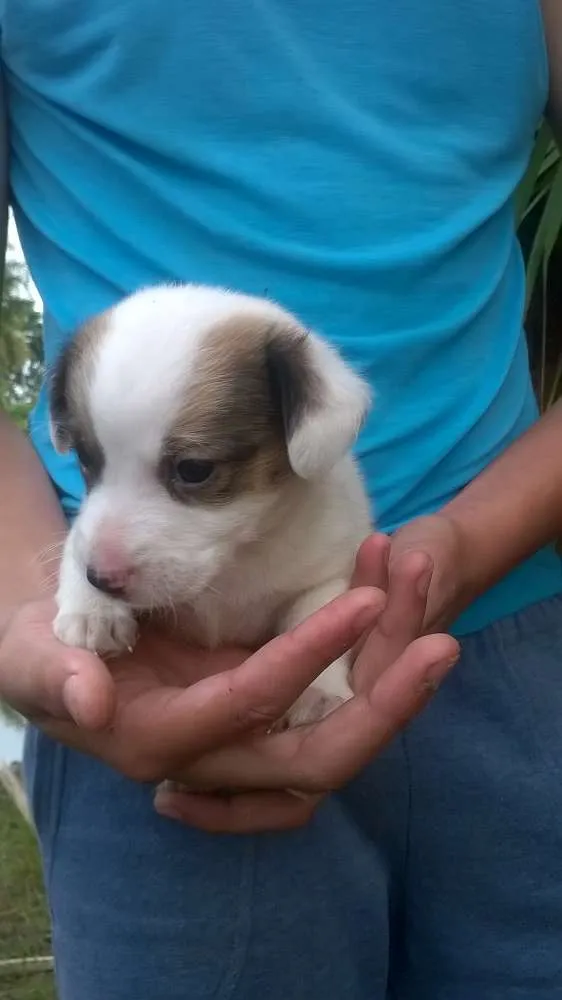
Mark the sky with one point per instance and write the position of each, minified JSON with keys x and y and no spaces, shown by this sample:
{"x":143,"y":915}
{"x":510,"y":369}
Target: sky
{"x":11,"y":743}
{"x":17,"y":253}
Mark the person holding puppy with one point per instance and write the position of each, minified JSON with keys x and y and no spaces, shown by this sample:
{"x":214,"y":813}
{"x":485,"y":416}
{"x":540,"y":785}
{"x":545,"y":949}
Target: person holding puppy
{"x":357,"y":165}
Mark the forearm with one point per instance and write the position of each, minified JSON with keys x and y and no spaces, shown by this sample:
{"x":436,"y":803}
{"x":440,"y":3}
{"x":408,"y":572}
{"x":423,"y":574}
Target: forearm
{"x":31,"y":522}
{"x":513,"y":508}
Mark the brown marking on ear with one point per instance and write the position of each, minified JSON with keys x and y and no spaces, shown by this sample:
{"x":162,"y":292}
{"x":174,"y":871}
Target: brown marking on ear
{"x":68,"y":397}
{"x":294,"y":383}
{"x":59,"y":403}
{"x":250,"y":384}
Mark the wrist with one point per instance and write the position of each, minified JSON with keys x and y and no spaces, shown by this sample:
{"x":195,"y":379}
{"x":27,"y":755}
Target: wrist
{"x":466,"y":567}
{"x":513,"y":507}
{"x":444,"y":540}
{"x":493,"y":535}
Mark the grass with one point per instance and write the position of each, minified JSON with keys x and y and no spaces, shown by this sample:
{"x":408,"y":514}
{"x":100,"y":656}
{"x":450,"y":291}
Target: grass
{"x":32,"y":986}
{"x":24,"y":921}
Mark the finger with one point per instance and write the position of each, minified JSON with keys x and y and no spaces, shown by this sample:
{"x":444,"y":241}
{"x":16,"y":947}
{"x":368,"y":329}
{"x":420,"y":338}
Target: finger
{"x":316,"y":759}
{"x":371,"y":564}
{"x":258,"y":812}
{"x":349,"y":738}
{"x":158,"y":729}
{"x":277,"y":674}
{"x":401,"y":621}
{"x":44,"y":679}
{"x":371,"y":570}
{"x":173,"y":724}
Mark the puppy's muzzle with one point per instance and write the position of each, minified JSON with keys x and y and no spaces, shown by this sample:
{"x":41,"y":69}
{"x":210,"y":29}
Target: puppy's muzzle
{"x":114,"y":585}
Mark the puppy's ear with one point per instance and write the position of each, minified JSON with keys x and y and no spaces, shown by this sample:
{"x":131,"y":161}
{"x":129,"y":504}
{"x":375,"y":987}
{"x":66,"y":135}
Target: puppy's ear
{"x":59,"y":406}
{"x":322,"y":401}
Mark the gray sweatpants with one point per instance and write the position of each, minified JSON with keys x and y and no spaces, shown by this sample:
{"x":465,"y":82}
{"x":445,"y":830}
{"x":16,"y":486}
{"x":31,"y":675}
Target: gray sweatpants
{"x":437,"y":875}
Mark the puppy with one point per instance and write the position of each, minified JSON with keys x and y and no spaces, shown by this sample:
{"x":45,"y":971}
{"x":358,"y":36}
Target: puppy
{"x":213,"y":432}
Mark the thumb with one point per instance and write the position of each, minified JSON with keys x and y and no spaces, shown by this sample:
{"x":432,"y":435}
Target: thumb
{"x":88,"y":692}
{"x":43,"y":679}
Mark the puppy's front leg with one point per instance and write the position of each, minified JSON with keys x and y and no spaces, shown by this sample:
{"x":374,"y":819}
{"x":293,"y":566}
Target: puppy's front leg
{"x":332,"y":687}
{"x":86,"y":617}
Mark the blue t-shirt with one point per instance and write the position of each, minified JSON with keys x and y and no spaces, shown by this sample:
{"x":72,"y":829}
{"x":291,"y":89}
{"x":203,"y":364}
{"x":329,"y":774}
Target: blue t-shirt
{"x":354,"y":161}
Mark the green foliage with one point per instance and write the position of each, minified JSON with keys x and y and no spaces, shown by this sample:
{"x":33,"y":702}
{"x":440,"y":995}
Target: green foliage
{"x":539,"y":216}
{"x":20,"y":344}
{"x":9,"y":716}
{"x":24,"y":919}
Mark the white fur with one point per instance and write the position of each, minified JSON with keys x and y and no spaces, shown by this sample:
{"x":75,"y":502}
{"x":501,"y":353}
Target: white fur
{"x":328,"y":433}
{"x":238,"y":572}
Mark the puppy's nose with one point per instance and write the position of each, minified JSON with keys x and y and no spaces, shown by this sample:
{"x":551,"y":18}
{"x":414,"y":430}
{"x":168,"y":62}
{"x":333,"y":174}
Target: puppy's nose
{"x":112,"y":584}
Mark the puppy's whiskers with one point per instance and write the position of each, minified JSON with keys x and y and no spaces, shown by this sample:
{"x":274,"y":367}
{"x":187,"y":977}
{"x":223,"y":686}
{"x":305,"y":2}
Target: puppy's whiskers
{"x":51,"y":551}
{"x":48,"y":583}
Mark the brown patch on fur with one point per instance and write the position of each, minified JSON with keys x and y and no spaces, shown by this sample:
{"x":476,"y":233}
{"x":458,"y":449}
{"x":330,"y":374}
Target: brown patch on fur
{"x":250,"y":384}
{"x":68,"y":397}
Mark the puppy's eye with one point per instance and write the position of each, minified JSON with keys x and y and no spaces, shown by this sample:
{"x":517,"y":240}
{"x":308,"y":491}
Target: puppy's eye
{"x":86,"y":473}
{"x":194,"y":472}
{"x":91,"y":461}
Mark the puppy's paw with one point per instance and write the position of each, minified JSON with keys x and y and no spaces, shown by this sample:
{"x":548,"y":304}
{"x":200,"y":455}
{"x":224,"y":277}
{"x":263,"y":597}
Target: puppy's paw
{"x":313,"y":705}
{"x":109,"y":629}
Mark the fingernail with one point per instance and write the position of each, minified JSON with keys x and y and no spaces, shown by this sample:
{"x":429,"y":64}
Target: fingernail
{"x":168,"y":813}
{"x":431,"y":686}
{"x":170,"y":786}
{"x":162,"y":804}
{"x":72,"y":700}
{"x":312,"y":798}
{"x":304,"y":796}
{"x":438,"y":671}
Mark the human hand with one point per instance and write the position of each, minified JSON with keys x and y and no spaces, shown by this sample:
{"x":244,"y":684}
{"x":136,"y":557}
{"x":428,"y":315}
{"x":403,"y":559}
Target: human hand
{"x":439,"y":538}
{"x":166,"y":704}
{"x":243,"y":787}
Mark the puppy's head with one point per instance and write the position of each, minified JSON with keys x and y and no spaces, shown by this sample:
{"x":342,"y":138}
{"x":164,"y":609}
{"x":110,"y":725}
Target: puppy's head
{"x":192,"y":412}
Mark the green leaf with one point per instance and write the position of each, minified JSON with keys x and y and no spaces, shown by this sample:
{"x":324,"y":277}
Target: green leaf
{"x":539,"y":155}
{"x":548,"y":232}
